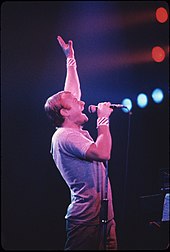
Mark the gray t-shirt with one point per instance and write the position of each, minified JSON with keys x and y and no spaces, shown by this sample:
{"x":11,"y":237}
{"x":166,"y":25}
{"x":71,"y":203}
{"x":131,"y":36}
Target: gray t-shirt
{"x":85,"y":179}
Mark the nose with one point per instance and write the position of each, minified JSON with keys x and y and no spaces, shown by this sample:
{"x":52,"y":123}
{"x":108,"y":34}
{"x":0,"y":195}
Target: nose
{"x":82,"y":103}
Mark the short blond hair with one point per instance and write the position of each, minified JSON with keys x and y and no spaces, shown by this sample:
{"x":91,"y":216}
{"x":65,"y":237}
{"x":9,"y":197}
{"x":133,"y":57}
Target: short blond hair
{"x":53,"y":106}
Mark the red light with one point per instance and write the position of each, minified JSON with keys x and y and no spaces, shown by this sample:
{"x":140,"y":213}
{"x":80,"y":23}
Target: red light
{"x":158,"y":54}
{"x":161,"y":15}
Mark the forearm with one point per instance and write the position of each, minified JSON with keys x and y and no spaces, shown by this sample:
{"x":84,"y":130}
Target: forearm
{"x":104,"y":142}
{"x":100,"y":150}
{"x":72,"y":83}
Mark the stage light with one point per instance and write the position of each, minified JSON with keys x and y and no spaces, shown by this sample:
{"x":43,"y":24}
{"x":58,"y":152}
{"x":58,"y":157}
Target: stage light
{"x":127,"y":102}
{"x":157,"y":95}
{"x":161,"y":15}
{"x":158,"y":54}
{"x":142,"y":100}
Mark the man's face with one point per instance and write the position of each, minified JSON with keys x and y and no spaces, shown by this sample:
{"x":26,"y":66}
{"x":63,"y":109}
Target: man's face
{"x":76,"y":108}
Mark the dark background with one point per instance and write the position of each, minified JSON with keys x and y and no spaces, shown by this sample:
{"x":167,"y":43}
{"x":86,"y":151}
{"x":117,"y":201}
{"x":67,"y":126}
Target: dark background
{"x":113,"y":42}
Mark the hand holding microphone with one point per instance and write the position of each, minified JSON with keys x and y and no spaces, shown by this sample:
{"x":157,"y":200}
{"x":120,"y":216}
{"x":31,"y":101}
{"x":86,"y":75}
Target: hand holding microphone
{"x":103,"y":109}
{"x":103,"y":112}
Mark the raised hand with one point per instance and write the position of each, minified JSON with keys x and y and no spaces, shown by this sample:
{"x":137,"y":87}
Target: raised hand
{"x":67,"y":48}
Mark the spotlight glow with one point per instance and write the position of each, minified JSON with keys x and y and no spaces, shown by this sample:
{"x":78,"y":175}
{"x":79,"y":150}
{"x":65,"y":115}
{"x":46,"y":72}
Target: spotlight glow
{"x":161,"y":15}
{"x":127,"y":102}
{"x":142,"y":100}
{"x":157,"y":95}
{"x":158,"y":54}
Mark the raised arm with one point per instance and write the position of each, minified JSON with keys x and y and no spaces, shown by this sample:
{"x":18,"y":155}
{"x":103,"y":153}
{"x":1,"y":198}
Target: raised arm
{"x":72,"y":82}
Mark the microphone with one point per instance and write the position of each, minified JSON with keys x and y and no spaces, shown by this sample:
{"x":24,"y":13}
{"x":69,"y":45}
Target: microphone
{"x":93,"y":108}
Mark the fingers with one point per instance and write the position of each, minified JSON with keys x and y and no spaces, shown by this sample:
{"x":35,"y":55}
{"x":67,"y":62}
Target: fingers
{"x":102,"y":104}
{"x":60,"y":39}
{"x":67,"y":48}
{"x":104,"y":109}
{"x":61,"y":42}
{"x":70,"y":43}
{"x":107,"y":104}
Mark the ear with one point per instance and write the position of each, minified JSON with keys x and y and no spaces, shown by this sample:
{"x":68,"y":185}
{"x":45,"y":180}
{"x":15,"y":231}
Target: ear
{"x":64,"y":112}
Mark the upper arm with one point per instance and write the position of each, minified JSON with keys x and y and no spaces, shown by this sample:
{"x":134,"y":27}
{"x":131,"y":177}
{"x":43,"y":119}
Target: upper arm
{"x":75,"y":144}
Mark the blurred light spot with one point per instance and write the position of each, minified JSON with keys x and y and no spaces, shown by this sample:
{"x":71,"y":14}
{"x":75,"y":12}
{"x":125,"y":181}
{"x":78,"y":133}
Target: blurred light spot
{"x":158,"y":54}
{"x":127,"y":102}
{"x":142,"y":100}
{"x":161,"y":15}
{"x":157,"y":95}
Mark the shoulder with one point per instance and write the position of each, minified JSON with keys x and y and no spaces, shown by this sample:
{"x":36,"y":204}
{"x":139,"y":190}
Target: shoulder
{"x":60,"y":132}
{"x":63,"y":133}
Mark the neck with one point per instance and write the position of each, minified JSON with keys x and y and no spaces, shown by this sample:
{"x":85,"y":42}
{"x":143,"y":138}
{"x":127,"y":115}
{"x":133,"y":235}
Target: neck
{"x":69,"y":124}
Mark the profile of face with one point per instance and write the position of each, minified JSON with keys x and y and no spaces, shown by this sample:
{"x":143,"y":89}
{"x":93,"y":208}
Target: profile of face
{"x":75,"y":112}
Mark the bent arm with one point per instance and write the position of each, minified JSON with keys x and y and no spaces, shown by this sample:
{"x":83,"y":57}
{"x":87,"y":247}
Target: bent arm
{"x":101,"y":149}
{"x":72,"y":83}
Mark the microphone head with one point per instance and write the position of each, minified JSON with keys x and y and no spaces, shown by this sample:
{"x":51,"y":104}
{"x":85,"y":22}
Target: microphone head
{"x":92,"y":108}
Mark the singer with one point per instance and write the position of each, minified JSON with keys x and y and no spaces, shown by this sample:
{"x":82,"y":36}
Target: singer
{"x":80,"y":161}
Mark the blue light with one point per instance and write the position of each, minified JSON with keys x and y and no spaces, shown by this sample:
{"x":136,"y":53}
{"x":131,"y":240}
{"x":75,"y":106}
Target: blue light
{"x":142,"y":100}
{"x":157,"y":95}
{"x":127,"y":102}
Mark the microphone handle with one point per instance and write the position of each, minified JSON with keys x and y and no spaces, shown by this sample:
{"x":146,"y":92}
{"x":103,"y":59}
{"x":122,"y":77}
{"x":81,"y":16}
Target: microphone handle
{"x":93,"y":108}
{"x":117,"y":106}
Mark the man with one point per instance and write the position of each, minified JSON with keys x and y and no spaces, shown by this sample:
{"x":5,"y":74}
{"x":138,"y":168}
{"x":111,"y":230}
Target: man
{"x":80,"y":161}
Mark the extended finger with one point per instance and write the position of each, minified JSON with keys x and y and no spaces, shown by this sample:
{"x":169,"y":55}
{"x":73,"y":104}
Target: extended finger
{"x":61,"y":41}
{"x":70,"y":43}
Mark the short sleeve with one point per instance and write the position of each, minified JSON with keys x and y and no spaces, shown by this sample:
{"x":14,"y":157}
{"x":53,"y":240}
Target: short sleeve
{"x":76,"y":144}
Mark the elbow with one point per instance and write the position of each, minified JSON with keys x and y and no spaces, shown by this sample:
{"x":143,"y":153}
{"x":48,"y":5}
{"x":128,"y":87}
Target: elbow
{"x":105,"y":157}
{"x":101,"y":157}
{"x":104,"y":154}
